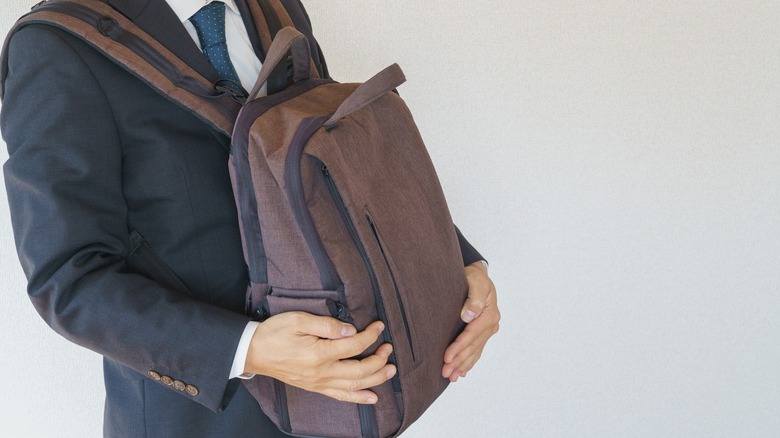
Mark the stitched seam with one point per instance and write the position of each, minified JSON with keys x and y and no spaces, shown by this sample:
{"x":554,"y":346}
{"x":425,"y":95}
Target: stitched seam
{"x":56,"y":32}
{"x":206,"y":278}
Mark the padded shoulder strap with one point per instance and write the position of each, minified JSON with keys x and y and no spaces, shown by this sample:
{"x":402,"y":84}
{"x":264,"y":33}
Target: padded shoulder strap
{"x":137,"y":52}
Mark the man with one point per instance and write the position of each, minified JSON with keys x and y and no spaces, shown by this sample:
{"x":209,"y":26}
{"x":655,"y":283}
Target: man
{"x":110,"y":182}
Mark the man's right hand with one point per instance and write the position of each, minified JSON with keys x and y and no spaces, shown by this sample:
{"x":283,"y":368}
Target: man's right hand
{"x":312,"y":352}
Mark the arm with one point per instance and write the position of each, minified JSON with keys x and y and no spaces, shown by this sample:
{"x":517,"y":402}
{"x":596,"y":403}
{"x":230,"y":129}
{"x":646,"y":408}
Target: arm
{"x":64,"y":183}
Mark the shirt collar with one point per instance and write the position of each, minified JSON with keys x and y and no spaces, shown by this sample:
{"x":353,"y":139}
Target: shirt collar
{"x":185,"y":9}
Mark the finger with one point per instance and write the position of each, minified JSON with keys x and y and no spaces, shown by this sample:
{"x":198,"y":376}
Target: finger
{"x":468,"y":363}
{"x":322,"y":326}
{"x":462,"y":360}
{"x":352,"y":346}
{"x":465,"y":344}
{"x":447,"y":369}
{"x":454,"y":356}
{"x":363,"y":397}
{"x":359,"y":369}
{"x":464,"y":352}
{"x":467,"y":358}
{"x":379,"y":377}
{"x":466,"y":337}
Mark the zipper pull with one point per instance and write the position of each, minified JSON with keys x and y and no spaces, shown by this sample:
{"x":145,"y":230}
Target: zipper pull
{"x":325,"y":170}
{"x":339,"y":311}
{"x":248,"y":306}
{"x":343,"y":312}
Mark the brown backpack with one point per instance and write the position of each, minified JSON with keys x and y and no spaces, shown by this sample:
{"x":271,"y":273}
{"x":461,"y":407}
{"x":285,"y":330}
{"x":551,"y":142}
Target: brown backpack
{"x":342,"y":214}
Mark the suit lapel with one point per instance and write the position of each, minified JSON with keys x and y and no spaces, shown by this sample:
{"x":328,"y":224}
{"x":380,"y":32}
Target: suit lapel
{"x":157,"y":19}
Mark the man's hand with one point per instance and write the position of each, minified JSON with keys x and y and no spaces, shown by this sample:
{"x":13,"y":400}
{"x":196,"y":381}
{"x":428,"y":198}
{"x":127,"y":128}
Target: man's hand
{"x":312,"y":352}
{"x":480,"y":313}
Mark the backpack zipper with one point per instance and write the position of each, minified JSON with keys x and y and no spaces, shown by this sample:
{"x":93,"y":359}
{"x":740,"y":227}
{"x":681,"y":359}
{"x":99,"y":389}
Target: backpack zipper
{"x":328,"y":274}
{"x":368,"y":425}
{"x":281,"y":400}
{"x":380,"y":304}
{"x":395,"y":288}
{"x":294,"y":188}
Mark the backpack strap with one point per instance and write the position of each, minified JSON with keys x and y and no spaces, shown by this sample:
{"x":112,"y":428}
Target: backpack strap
{"x":122,"y":41}
{"x":380,"y":84}
{"x":270,"y":17}
{"x":288,"y":40}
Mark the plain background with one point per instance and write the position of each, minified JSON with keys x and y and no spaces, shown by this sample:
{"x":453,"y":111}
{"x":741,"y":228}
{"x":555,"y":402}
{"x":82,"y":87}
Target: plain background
{"x":616,"y":161}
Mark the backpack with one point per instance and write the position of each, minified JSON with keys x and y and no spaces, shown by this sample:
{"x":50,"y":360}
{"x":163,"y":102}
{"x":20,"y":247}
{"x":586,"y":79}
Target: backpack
{"x":340,"y":208}
{"x":342,"y":214}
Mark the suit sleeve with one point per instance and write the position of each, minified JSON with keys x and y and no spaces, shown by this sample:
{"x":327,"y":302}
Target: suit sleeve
{"x":469,"y":253}
{"x":64,"y":183}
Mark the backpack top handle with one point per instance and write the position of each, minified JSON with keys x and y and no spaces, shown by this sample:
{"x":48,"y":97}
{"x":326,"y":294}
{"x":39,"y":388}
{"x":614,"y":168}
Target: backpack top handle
{"x":287,"y":39}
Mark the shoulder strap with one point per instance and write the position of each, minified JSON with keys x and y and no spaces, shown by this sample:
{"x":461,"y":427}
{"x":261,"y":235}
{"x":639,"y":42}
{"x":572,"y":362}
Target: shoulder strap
{"x":119,"y":39}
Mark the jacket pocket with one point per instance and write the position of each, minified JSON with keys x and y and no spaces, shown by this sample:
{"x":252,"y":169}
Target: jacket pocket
{"x":142,"y":260}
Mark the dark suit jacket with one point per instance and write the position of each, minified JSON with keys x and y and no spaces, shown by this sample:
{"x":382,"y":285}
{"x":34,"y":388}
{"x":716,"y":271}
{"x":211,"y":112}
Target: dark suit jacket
{"x":95,"y":152}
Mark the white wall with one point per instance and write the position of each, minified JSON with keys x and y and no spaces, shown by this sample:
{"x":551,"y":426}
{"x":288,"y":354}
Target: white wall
{"x":616,"y":161}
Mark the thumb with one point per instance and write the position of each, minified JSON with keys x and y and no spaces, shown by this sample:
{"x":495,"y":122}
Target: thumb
{"x":472,"y":308}
{"x":479,"y":291}
{"x":324,"y":326}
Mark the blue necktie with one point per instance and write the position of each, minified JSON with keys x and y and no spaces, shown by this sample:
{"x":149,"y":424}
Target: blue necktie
{"x":209,"y":23}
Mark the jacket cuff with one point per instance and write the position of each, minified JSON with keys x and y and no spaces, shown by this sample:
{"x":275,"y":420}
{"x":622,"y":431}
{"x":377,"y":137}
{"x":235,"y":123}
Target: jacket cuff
{"x":469,"y":253}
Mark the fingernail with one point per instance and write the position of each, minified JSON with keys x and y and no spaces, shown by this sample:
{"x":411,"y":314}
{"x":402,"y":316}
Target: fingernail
{"x":347,"y":330}
{"x":371,"y":400}
{"x":390,"y":373}
{"x":468,"y":315}
{"x":381,"y":328}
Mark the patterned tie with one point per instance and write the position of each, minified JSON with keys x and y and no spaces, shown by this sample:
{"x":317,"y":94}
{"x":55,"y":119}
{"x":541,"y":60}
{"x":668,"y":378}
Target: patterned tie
{"x":209,"y":23}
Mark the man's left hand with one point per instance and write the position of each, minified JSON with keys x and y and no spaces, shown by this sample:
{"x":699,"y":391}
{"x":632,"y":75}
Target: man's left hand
{"x":480,"y":313}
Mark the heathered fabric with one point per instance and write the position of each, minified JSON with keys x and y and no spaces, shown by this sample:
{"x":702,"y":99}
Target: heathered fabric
{"x":382,"y":171}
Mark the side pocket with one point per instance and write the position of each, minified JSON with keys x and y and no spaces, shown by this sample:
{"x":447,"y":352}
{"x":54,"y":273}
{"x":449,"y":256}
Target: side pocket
{"x":142,"y":260}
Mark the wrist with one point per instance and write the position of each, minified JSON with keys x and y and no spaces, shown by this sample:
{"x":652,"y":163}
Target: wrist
{"x":481,"y":265}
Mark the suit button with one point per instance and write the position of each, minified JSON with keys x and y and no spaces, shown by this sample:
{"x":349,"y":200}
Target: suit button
{"x":154,"y":375}
{"x":178,"y":384}
{"x":192,"y":390}
{"x":167,"y":380}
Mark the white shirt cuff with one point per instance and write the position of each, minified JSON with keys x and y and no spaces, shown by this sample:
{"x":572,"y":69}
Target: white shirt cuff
{"x":237,"y":370}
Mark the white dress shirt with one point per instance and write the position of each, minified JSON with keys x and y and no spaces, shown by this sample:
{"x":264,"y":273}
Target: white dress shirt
{"x":247,"y":65}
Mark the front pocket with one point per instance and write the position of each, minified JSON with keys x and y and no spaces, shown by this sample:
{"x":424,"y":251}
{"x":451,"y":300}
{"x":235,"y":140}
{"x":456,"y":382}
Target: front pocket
{"x":396,"y":290}
{"x":299,"y":412}
{"x":143,"y":260}
{"x":321,"y":303}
